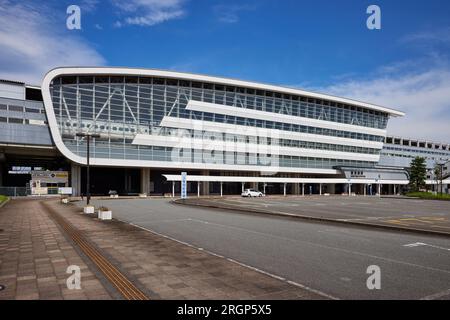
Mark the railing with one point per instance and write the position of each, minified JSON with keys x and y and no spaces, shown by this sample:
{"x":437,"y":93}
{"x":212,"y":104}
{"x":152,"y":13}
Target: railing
{"x":26,"y":191}
{"x":15,"y":191}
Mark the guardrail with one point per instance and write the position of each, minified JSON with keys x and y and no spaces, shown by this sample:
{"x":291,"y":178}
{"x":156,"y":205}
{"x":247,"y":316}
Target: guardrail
{"x":15,"y":191}
{"x":26,"y":191}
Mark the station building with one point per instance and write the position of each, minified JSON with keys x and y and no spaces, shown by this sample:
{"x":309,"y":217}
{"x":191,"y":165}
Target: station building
{"x":226,"y":134}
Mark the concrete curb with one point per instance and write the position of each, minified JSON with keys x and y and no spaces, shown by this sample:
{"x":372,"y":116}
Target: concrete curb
{"x":5,"y":202}
{"x":317,"y":219}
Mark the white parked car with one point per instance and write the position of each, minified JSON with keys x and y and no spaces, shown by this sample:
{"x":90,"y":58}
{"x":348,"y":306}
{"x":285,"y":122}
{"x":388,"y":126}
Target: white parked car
{"x":252,"y":193}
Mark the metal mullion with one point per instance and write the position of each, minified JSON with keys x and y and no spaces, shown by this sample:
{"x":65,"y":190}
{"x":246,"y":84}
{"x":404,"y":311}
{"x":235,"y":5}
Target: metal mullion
{"x":123,"y":118}
{"x":109,"y":118}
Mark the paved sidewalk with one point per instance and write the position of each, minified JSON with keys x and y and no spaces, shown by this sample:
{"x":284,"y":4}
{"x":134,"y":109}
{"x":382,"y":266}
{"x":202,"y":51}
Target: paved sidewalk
{"x":170,"y":270}
{"x":34,"y":256}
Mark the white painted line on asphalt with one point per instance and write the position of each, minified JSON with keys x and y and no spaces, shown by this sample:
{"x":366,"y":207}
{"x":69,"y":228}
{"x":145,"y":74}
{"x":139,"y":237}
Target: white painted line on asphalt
{"x":312,"y":290}
{"x":421,"y":244}
{"x":437,"y":295}
{"x":162,"y":221}
{"x":237,"y":262}
{"x":329,"y":247}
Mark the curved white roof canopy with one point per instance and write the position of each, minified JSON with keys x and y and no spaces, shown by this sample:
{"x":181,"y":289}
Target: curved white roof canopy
{"x":197,"y":77}
{"x":115,"y":71}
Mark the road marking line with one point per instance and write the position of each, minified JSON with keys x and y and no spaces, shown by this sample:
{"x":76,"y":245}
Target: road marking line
{"x":330,"y":248}
{"x":313,"y":290}
{"x":421,"y":244}
{"x":239,"y":263}
{"x":437,"y":295}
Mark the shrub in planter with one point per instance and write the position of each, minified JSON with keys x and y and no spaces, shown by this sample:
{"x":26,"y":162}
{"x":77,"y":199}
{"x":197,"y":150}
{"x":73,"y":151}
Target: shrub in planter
{"x":64,"y":199}
{"x":104,"y":213}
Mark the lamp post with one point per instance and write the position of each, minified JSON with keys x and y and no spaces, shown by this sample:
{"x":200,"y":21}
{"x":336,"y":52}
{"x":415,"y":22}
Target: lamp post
{"x":441,"y":169}
{"x":88,"y":137}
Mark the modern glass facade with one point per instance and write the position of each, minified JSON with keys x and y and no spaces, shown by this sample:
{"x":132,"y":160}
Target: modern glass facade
{"x":133,"y":114}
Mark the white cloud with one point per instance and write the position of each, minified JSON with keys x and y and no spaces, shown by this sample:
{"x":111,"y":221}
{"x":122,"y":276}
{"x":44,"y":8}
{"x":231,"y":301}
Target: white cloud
{"x":148,"y":12}
{"x":32,"y":42}
{"x":230,"y":13}
{"x":423,"y":96}
{"x":428,"y":38}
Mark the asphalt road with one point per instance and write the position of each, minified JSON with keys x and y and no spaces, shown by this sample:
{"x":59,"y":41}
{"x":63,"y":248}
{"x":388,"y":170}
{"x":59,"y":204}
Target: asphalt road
{"x":330,"y":258}
{"x":398,"y":212}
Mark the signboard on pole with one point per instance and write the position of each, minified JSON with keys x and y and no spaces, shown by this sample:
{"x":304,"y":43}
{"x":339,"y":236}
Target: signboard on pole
{"x":183,"y":185}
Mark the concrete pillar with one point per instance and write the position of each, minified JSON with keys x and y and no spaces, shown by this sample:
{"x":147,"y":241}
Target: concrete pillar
{"x":365,"y":189}
{"x":205,"y":184}
{"x":320,"y":188}
{"x":221,"y":189}
{"x":303,"y":189}
{"x":1,"y":174}
{"x":264,"y":187}
{"x":331,"y":188}
{"x":349,"y":189}
{"x":284,"y":189}
{"x":145,"y":181}
{"x":395,"y":189}
{"x":296,"y":189}
{"x":173,"y":189}
{"x":379,"y":189}
{"x":243,"y":186}
{"x":198,"y":188}
{"x":75,"y":179}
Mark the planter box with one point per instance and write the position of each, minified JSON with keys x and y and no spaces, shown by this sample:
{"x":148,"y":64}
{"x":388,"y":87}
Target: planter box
{"x":105,"y":215}
{"x":114,"y":196}
{"x":88,"y":210}
{"x":142,"y":195}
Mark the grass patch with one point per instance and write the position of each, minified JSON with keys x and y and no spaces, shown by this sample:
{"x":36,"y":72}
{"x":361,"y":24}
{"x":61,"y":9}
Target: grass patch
{"x":3,"y":198}
{"x":429,"y":195}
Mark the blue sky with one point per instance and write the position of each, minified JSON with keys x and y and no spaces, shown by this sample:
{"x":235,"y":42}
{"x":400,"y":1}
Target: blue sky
{"x":320,"y":45}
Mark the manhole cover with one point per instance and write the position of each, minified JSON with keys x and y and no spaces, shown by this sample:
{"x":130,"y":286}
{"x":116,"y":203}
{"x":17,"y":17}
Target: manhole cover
{"x":2,"y":287}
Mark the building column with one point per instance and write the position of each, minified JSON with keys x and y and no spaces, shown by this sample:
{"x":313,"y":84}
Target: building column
{"x":264,"y":187}
{"x":296,"y":189}
{"x":331,"y":188}
{"x":303,"y":189}
{"x":365,"y":190}
{"x":205,"y":184}
{"x":243,"y":186}
{"x":173,"y":189}
{"x":320,"y":188}
{"x":284,"y":189}
{"x":198,"y":188}
{"x":75,"y":179}
{"x":1,"y":174}
{"x":221,"y":189}
{"x":145,"y":181}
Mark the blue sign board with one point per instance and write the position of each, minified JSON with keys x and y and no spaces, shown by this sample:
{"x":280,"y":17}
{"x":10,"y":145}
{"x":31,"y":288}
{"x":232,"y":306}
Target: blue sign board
{"x":183,"y":185}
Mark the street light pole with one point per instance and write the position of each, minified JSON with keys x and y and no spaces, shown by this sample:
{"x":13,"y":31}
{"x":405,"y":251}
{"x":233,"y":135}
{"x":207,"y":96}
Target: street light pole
{"x":88,"y":137}
{"x":441,"y":168}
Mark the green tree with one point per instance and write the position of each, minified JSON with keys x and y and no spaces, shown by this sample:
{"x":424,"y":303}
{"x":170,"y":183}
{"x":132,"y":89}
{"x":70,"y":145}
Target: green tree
{"x":418,"y":173}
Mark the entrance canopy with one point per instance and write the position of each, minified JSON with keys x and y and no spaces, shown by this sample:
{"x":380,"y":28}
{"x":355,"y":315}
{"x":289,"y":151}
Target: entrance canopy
{"x":199,"y":178}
